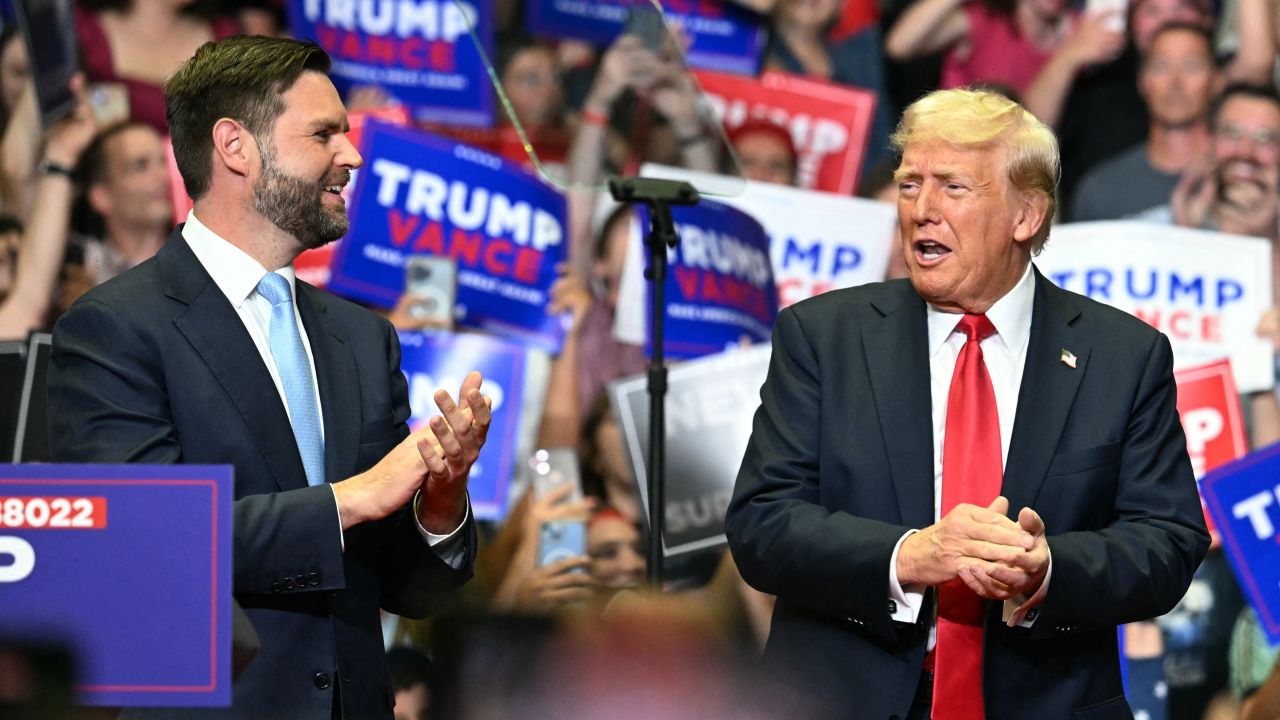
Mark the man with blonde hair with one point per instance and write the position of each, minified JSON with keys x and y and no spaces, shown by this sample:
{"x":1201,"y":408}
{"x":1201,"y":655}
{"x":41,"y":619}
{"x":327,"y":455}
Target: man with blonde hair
{"x":959,"y":484}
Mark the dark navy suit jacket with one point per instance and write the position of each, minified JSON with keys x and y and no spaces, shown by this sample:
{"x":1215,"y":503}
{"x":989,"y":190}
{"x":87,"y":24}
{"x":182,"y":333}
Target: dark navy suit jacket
{"x":155,"y":366}
{"x":840,"y":465}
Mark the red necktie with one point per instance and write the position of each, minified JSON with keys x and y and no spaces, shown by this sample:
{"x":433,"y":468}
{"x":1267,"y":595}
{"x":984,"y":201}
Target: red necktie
{"x":971,"y":473}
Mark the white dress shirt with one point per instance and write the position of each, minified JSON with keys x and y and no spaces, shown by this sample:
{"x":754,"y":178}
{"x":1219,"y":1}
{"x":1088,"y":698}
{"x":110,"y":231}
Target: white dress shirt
{"x":1004,"y":354}
{"x":237,"y":275}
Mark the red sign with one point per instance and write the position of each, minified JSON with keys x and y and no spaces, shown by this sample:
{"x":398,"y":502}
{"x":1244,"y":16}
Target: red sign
{"x":1209,"y":407}
{"x":829,"y":123}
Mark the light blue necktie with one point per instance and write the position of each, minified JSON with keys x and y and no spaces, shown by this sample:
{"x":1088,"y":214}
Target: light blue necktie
{"x":295,"y":375}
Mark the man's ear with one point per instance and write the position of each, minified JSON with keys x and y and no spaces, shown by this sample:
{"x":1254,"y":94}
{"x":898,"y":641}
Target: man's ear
{"x":1033,"y":213}
{"x":233,"y":146}
{"x":99,"y":199}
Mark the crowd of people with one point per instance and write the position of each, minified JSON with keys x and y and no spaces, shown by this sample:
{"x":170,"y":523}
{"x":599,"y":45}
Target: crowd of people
{"x":1165,"y":111}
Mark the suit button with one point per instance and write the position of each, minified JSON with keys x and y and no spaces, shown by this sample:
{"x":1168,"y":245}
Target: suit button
{"x":321,"y":680}
{"x":1032,"y":614}
{"x":288,"y":583}
{"x":314,"y":579}
{"x":893,"y":607}
{"x":275,"y":587}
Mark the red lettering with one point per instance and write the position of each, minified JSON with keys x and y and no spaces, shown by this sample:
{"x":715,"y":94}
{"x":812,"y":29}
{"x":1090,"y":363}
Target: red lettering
{"x":431,"y":240}
{"x":1211,"y":328}
{"x":1178,"y":324}
{"x":350,"y":47}
{"x":381,"y":50}
{"x":711,"y":289}
{"x":401,"y":227}
{"x":527,"y":265}
{"x":327,"y":37}
{"x":497,"y":257}
{"x":441,"y":56}
{"x":687,"y":279}
{"x":413,"y":53}
{"x":465,"y":247}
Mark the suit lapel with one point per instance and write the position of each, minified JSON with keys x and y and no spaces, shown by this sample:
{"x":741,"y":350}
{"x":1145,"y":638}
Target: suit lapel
{"x":1048,"y":390}
{"x":216,"y":332}
{"x":897,"y":356}
{"x":338,"y":380}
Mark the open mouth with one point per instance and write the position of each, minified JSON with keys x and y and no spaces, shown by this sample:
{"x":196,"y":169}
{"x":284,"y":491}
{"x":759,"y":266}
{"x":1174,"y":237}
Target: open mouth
{"x":930,"y":251}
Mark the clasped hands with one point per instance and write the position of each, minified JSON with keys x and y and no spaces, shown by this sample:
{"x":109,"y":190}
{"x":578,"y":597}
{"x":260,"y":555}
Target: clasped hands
{"x":435,"y":460}
{"x":992,"y":555}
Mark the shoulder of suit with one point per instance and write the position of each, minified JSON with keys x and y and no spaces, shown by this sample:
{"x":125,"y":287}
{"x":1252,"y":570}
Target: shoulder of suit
{"x":1098,"y":317}
{"x":136,"y":290}
{"x":857,"y":299}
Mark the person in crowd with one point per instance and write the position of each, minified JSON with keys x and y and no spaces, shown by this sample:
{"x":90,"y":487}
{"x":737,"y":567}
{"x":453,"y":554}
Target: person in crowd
{"x":40,"y":254}
{"x":530,"y":74}
{"x":995,"y":42}
{"x":212,"y":353}
{"x":412,"y":676}
{"x":15,"y":71}
{"x":617,"y":553}
{"x":1176,"y":81}
{"x":766,"y":151}
{"x":525,"y":585}
{"x":866,"y":512}
{"x":799,"y":43}
{"x":133,"y":45}
{"x":881,"y":185}
{"x":127,"y":206}
{"x":10,"y":241}
{"x":630,"y":78}
{"x":1088,"y":90}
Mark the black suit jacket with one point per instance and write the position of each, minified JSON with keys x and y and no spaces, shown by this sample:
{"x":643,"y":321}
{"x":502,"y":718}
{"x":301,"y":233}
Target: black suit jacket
{"x":157,"y":367}
{"x":840,"y":465}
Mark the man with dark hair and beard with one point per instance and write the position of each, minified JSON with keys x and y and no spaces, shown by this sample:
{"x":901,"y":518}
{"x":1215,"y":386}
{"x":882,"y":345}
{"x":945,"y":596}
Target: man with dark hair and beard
{"x":213,"y":353}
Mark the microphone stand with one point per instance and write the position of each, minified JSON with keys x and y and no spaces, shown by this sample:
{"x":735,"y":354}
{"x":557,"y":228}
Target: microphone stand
{"x":659,"y":196}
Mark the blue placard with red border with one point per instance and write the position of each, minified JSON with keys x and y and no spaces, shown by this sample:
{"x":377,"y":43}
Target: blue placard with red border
{"x":421,"y":194}
{"x":1244,"y":499}
{"x":722,"y":36}
{"x":420,"y":52}
{"x":720,"y":288}
{"x":441,"y":360}
{"x":129,"y":567}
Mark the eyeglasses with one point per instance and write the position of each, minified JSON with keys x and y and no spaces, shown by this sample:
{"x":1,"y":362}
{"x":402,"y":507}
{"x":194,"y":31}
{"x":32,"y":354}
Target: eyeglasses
{"x":1263,"y":137}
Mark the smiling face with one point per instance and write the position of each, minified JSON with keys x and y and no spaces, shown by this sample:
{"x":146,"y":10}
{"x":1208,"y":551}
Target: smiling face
{"x":306,"y":161}
{"x":966,"y":231}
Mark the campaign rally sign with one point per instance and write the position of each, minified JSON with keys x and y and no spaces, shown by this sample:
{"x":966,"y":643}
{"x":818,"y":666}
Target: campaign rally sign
{"x":418,"y":51}
{"x":431,"y":361}
{"x":721,"y":35}
{"x":719,"y":289}
{"x":710,"y":404}
{"x":1244,"y":499}
{"x":129,"y":568}
{"x":1205,"y":290}
{"x":1211,"y":419}
{"x":818,"y":241}
{"x":829,"y":123}
{"x":419,"y":194}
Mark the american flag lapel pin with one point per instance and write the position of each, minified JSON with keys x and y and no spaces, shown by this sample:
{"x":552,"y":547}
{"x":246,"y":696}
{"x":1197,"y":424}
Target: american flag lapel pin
{"x":1068,"y":358}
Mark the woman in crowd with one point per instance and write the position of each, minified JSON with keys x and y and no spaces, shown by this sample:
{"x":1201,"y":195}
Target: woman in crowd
{"x":1001,"y":43}
{"x":135,"y":44}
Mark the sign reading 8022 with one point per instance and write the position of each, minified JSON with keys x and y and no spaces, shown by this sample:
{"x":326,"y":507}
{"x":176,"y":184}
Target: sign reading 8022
{"x":55,"y":513}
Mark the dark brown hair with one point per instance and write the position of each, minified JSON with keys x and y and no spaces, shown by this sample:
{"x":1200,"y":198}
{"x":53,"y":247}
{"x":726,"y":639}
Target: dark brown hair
{"x":242,"y":78}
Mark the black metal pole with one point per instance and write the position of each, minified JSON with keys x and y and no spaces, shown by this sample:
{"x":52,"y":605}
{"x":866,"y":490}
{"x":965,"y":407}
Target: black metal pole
{"x":659,"y":196}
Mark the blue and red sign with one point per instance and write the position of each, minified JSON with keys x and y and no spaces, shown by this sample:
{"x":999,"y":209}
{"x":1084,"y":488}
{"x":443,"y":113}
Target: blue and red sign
{"x":720,"y":289}
{"x":129,"y":567}
{"x":441,"y":360}
{"x":420,"y":52}
{"x":419,"y":194}
{"x":1244,"y":500}
{"x":722,"y":36}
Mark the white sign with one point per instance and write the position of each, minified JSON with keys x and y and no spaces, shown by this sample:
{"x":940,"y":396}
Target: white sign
{"x":1205,"y":290}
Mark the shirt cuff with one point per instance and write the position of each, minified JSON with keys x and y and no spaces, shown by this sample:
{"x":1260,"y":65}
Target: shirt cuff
{"x":342,"y":536}
{"x":447,"y":547}
{"x":904,"y":602}
{"x":1019,"y":610}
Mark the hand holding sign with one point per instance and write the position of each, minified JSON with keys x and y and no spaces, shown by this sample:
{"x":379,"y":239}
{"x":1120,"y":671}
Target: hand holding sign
{"x":435,"y":460}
